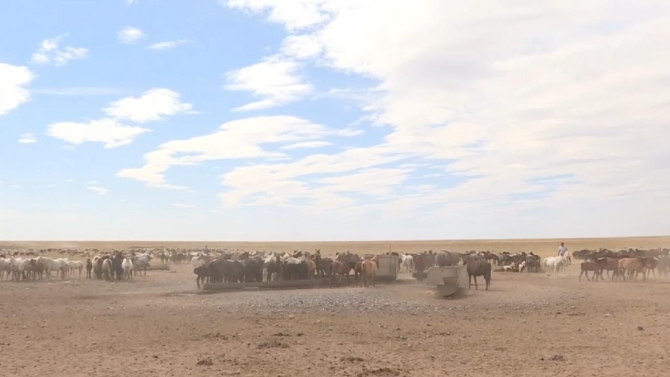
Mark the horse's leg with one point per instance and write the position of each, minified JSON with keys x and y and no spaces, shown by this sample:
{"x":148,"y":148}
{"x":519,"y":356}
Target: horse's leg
{"x":580,"y":275}
{"x":476,"y":286}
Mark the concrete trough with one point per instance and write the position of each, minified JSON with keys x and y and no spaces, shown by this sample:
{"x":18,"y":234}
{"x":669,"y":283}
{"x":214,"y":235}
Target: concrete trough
{"x":317,"y":282}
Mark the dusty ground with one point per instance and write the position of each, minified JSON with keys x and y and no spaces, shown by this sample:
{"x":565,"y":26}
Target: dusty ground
{"x":159,"y":325}
{"x":539,"y":246}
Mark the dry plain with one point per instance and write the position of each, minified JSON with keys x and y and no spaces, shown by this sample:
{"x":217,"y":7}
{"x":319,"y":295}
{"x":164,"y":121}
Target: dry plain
{"x":160,"y":325}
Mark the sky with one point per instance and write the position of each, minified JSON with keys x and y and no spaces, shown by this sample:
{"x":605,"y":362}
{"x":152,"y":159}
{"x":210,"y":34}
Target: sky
{"x":270,"y":120}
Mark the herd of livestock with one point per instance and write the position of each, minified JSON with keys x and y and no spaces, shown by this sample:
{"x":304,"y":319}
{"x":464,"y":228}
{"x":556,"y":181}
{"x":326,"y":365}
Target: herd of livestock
{"x":237,"y":266}
{"x":32,"y":266}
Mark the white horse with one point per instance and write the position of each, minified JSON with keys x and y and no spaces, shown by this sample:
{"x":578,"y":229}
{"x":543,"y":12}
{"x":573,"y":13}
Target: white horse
{"x":407,"y":262}
{"x":75,"y":265}
{"x":127,"y":266}
{"x":555,"y":263}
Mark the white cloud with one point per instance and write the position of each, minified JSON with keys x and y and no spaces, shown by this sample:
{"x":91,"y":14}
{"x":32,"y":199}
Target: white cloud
{"x":183,"y":205}
{"x":27,"y":139}
{"x":274,"y":80}
{"x":130,"y":35}
{"x":78,"y":91}
{"x":152,"y":105}
{"x":13,"y":80}
{"x":168,"y":44}
{"x":294,"y":14}
{"x":301,"y":46}
{"x":98,"y":190}
{"x":107,"y":131}
{"x":50,"y":53}
{"x":235,"y":140}
{"x":131,"y":2}
{"x":501,"y":100}
{"x":15,"y":186}
{"x":308,"y":145}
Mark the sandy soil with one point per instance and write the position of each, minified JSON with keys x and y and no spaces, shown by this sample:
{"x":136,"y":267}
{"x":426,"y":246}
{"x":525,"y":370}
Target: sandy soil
{"x":159,"y":325}
{"x":539,"y":246}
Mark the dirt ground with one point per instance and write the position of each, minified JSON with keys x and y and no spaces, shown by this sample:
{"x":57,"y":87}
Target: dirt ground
{"x":160,"y":325}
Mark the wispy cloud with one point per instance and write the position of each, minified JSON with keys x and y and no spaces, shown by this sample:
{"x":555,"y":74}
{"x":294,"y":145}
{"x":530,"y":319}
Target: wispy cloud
{"x":78,"y":91}
{"x":168,"y":44}
{"x":107,"y":131}
{"x":50,"y":53}
{"x":308,"y":145}
{"x":97,"y":189}
{"x":27,"y":139}
{"x":275,"y":80}
{"x":152,"y":105}
{"x":183,"y":205}
{"x":130,"y":35}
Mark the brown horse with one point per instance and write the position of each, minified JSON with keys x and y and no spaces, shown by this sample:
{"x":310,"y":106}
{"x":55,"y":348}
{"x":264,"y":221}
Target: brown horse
{"x":342,"y":266}
{"x":369,"y":271}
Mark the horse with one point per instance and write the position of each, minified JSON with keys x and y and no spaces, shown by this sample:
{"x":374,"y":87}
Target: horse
{"x":555,"y":263}
{"x":478,"y":268}
{"x":369,"y":272}
{"x":342,"y":268}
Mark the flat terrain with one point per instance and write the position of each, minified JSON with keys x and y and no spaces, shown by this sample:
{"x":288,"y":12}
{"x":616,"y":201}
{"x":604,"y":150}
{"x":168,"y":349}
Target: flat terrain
{"x":538,"y":246}
{"x":160,"y":325}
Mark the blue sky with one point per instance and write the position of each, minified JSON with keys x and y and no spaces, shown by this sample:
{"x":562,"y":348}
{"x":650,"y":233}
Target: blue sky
{"x":333,"y":119}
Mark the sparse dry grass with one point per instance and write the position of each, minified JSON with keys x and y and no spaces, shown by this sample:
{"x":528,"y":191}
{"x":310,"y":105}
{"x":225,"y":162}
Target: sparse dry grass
{"x":542,"y":247}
